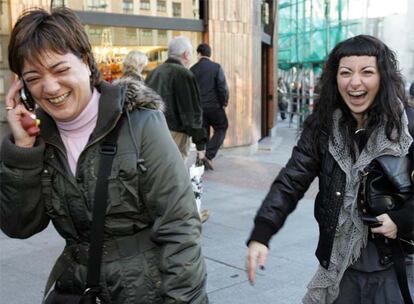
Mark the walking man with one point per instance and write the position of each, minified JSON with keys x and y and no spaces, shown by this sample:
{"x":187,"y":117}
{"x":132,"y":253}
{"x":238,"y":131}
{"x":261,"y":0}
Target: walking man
{"x":178,"y":88}
{"x":214,"y":97}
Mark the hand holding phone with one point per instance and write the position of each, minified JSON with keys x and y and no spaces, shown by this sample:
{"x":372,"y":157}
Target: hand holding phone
{"x":371,"y":221}
{"x":30,"y":124}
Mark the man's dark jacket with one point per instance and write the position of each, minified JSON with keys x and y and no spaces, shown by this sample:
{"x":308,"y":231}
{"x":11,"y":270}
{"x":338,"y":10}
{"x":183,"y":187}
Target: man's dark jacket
{"x":210,"y":77}
{"x":311,"y":158}
{"x":178,"y":88}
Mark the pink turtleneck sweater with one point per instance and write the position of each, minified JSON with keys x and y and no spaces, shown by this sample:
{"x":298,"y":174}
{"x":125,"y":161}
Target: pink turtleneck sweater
{"x":75,"y":134}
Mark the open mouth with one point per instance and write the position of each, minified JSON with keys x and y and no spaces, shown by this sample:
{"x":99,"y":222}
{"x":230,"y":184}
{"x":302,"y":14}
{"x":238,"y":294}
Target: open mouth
{"x":59,"y":99}
{"x":357,"y":94}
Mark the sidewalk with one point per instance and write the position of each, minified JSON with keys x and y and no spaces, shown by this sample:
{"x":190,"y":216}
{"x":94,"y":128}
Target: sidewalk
{"x":232,"y":193}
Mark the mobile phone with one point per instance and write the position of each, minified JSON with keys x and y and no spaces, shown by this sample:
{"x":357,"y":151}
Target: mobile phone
{"x":27,"y":98}
{"x":371,"y":221}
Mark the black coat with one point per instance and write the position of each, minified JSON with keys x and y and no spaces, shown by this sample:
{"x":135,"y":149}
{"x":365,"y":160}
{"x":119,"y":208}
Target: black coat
{"x":312,"y":159}
{"x":211,"y":81}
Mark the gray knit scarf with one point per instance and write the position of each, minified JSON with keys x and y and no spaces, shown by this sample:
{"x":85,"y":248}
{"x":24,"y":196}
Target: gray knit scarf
{"x":351,"y":234}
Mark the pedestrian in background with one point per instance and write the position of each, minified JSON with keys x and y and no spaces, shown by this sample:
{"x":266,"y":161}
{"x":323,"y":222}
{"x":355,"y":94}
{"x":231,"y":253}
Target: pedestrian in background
{"x":214,"y":95}
{"x":151,"y":238}
{"x":178,"y":88}
{"x":133,"y":65}
{"x":362,"y":121}
{"x":281,"y":98}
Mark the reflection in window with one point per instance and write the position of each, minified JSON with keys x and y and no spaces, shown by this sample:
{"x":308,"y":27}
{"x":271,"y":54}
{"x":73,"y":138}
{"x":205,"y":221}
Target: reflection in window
{"x":162,"y":37}
{"x":145,"y":5}
{"x":131,"y":33}
{"x":146,"y":37}
{"x":94,"y":33}
{"x":176,"y":9}
{"x":161,"y":5}
{"x":128,"y":6}
{"x":96,"y":5}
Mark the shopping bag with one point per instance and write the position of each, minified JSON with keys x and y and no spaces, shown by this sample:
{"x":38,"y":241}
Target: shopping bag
{"x":196,"y":177}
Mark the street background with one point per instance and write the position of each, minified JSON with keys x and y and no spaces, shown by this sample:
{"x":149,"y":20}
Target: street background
{"x":232,"y":192}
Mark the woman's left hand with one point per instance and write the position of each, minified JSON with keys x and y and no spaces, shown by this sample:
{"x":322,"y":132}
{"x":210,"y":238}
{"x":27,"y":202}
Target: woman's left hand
{"x":388,"y":227}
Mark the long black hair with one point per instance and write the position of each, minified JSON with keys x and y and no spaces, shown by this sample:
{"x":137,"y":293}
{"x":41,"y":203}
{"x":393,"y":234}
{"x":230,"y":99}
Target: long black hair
{"x":386,"y":108}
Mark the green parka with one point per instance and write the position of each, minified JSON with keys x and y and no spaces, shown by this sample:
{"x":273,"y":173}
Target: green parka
{"x":152,"y":247}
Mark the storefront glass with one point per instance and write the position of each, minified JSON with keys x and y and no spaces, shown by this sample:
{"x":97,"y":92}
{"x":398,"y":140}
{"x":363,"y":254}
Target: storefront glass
{"x":111,"y":44}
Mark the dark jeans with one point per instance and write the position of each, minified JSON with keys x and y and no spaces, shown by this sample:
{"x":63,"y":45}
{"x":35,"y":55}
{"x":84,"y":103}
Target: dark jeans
{"x":217,"y":119}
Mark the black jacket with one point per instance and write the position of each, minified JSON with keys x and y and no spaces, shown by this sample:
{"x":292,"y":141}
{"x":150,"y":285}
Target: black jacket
{"x":178,"y":89}
{"x":211,"y":81}
{"x":312,"y":159}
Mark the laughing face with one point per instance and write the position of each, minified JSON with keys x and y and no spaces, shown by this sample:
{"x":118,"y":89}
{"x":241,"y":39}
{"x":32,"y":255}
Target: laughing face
{"x":358,"y":82}
{"x":59,"y":84}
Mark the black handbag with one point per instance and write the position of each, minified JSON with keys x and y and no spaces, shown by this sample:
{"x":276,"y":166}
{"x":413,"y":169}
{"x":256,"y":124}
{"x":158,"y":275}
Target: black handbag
{"x":386,"y":185}
{"x":91,"y":294}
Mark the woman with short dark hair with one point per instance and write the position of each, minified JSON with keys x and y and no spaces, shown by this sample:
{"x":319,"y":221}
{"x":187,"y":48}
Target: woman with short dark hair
{"x":151,"y":234}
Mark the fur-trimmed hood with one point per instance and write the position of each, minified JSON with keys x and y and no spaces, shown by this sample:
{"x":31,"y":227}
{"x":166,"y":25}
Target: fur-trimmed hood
{"x":139,"y":96}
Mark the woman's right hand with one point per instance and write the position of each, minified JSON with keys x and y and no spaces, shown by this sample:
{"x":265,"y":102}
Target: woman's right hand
{"x":256,"y":254}
{"x":15,"y":113}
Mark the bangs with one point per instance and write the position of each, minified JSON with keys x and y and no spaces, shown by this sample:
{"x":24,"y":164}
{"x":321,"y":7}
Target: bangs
{"x":358,"y":46}
{"x":38,"y":33}
{"x":46,"y":39}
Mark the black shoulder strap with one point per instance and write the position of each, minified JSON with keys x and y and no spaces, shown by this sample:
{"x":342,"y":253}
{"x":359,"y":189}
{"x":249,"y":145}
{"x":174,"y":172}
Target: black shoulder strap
{"x":108,"y":151}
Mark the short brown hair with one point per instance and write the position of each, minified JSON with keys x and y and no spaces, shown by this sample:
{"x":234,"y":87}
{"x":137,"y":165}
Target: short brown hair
{"x":60,"y":31}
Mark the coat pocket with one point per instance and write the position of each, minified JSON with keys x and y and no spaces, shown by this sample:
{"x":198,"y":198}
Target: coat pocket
{"x":126,"y":211}
{"x":135,"y":279}
{"x":123,"y":186}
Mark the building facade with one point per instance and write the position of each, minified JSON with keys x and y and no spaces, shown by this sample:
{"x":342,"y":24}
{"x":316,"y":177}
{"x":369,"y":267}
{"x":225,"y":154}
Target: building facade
{"x":240,"y":32}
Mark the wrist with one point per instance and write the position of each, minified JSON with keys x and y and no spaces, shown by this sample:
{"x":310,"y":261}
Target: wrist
{"x":27,"y":143}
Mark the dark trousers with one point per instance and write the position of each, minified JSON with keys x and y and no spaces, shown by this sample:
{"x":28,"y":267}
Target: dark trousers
{"x":217,"y":119}
{"x":378,"y":287}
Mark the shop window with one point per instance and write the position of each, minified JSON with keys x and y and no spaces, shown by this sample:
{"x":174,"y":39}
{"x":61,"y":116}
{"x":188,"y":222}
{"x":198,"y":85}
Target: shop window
{"x":161,"y":5}
{"x":96,"y":5}
{"x":146,"y":37}
{"x":94,"y":31}
{"x":145,"y":5}
{"x":56,"y":3}
{"x":128,"y":6}
{"x":176,"y":9}
{"x":162,"y":37}
{"x":131,"y":33}
{"x":111,"y":44}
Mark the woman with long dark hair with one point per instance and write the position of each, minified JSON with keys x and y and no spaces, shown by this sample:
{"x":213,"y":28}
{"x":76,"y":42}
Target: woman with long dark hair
{"x":362,"y":119}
